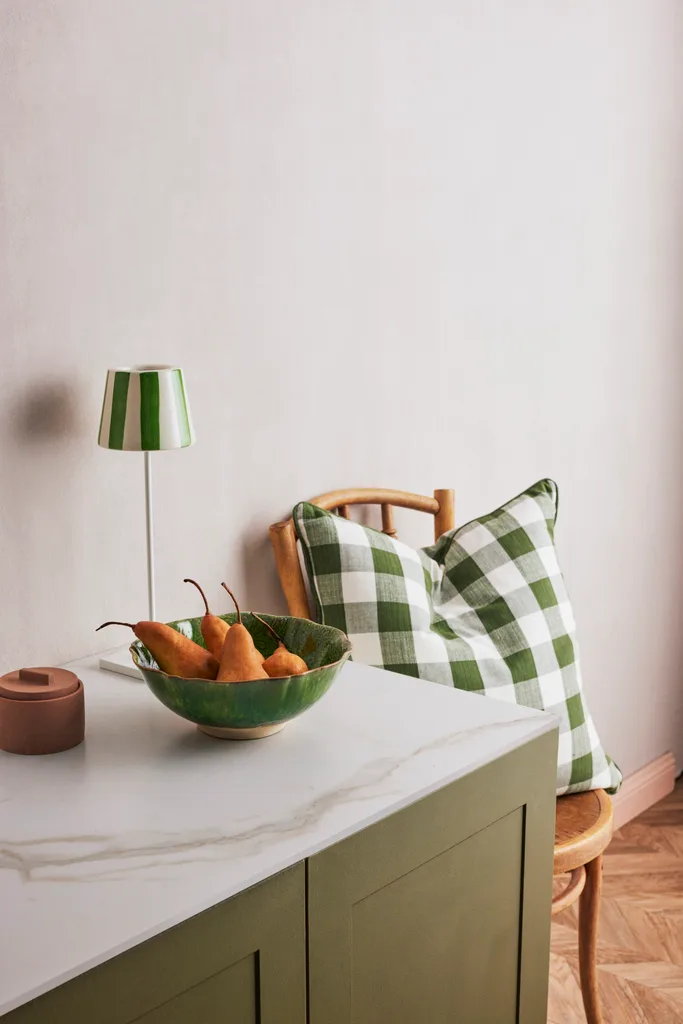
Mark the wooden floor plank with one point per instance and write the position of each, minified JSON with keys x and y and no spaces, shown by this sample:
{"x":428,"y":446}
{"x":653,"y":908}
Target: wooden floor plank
{"x":640,"y":953}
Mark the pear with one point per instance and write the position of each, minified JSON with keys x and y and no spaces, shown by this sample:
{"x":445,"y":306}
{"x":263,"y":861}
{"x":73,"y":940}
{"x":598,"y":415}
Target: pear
{"x":240,"y":660}
{"x":213,"y":629}
{"x":175,"y":654}
{"x":281,"y":662}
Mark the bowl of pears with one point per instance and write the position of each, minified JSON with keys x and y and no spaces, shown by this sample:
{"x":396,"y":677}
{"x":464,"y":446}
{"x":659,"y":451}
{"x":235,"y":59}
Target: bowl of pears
{"x":238,"y":676}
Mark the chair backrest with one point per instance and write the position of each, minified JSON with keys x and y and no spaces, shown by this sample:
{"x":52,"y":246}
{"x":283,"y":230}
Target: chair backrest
{"x":283,"y":536}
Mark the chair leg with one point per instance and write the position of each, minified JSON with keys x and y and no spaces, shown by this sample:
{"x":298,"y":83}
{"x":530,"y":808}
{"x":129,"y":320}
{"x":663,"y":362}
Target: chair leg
{"x":589,"y":909}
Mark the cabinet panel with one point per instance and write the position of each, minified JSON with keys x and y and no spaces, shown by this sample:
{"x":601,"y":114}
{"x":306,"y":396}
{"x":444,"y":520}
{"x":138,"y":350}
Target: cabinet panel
{"x":436,"y":937}
{"x":230,"y":997}
{"x":242,"y":961}
{"x":441,"y":912}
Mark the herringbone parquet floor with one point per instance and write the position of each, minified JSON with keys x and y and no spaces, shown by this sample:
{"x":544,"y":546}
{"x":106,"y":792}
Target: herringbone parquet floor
{"x":640,"y":953}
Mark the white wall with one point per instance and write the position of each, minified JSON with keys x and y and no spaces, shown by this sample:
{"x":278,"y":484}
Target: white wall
{"x":413,"y":243}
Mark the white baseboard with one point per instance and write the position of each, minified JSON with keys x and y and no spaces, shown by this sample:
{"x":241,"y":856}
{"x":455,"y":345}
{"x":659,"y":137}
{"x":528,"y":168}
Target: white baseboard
{"x":644,"y":788}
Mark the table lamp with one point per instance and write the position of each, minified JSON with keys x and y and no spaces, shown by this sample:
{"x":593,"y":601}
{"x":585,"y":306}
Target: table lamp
{"x":145,"y":409}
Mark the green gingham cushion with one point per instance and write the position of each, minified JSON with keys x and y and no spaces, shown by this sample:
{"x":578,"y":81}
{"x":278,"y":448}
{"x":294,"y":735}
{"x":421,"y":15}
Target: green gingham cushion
{"x":484,"y":609}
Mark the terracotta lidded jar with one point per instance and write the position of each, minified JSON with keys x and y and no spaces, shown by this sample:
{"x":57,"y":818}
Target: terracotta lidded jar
{"x":42,"y":711}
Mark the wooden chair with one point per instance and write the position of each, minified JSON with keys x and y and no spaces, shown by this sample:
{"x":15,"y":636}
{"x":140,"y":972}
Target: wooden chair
{"x":583,"y":822}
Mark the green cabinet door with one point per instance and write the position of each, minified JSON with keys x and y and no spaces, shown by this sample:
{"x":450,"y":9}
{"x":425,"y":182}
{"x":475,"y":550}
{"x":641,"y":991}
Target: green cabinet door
{"x":231,"y":995}
{"x":242,"y":962}
{"x":440,"y":914}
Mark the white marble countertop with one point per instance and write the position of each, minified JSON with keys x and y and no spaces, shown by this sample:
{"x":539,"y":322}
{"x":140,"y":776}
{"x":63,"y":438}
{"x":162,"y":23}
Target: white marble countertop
{"x":149,"y":822}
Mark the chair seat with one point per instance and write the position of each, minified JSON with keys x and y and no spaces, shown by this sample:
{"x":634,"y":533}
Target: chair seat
{"x":583,"y":828}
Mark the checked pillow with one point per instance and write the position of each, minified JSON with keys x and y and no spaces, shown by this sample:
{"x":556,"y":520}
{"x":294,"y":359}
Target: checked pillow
{"x":483,"y":609}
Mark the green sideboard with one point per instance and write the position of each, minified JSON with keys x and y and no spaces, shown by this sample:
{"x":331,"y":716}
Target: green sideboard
{"x":438,"y":913}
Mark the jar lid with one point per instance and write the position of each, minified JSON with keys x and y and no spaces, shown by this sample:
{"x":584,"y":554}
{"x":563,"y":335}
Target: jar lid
{"x":38,"y":683}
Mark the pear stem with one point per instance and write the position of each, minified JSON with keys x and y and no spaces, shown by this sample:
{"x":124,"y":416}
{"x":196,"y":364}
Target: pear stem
{"x":206,"y":603}
{"x":234,"y":601}
{"x":269,"y":628}
{"x":115,"y":623}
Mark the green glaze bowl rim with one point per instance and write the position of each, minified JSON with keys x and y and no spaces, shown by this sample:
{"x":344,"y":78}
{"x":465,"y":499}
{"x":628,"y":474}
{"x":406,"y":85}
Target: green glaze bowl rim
{"x":340,"y":634}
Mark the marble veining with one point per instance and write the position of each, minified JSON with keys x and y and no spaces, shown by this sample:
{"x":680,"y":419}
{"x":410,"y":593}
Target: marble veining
{"x":106,"y":857}
{"x":150,"y":822}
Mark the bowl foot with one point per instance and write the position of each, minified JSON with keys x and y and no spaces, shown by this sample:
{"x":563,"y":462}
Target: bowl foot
{"x":256,"y":733}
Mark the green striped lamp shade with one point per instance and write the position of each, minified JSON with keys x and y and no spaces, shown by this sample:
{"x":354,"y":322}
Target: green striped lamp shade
{"x":145,"y":409}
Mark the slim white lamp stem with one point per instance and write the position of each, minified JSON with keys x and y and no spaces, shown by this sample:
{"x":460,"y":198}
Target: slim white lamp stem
{"x":150,"y":535}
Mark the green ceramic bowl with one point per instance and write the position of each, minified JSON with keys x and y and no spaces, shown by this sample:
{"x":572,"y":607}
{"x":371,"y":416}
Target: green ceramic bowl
{"x":257,"y":707}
